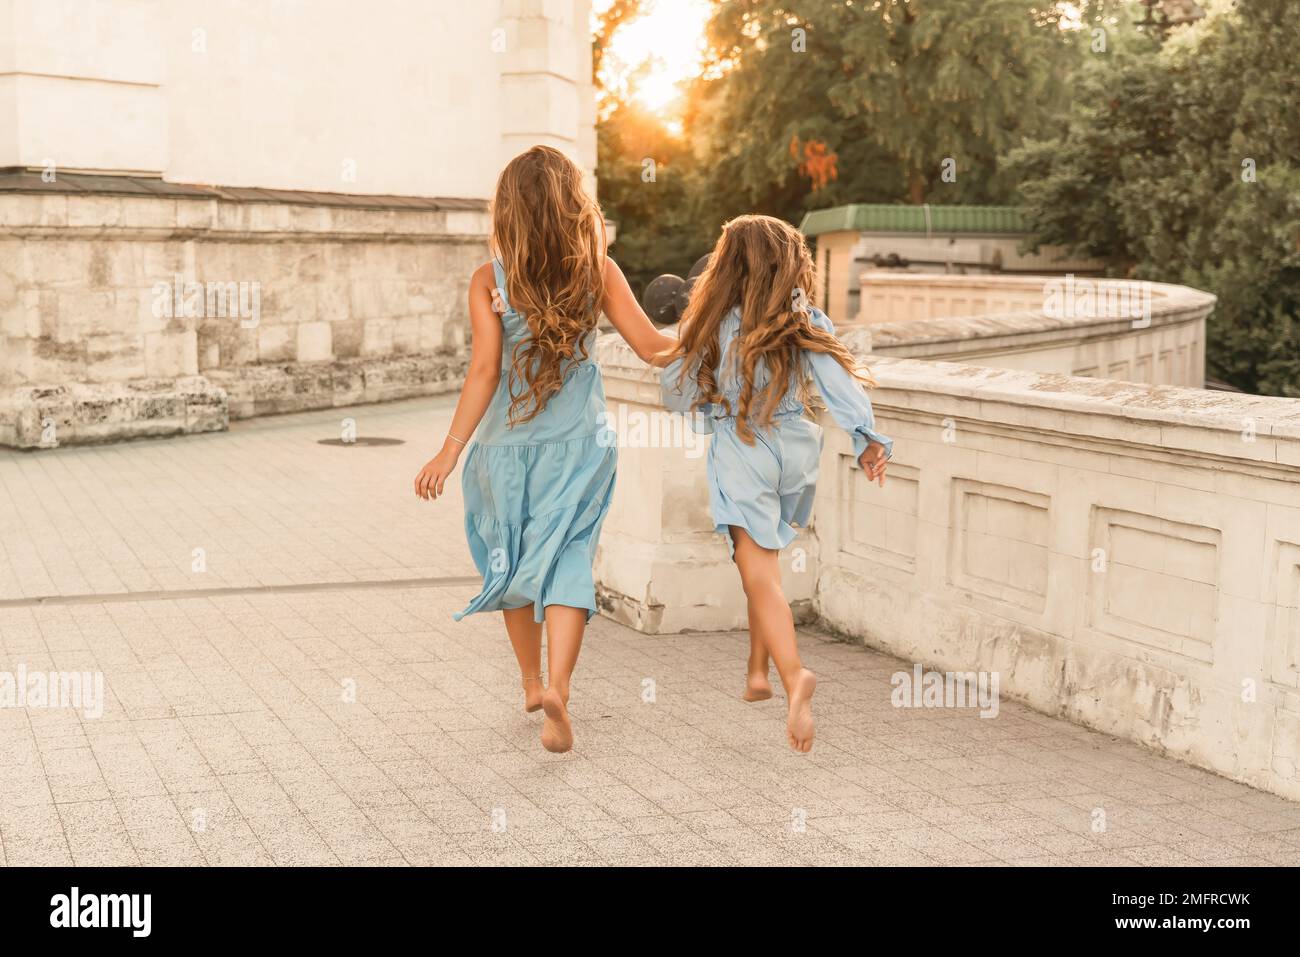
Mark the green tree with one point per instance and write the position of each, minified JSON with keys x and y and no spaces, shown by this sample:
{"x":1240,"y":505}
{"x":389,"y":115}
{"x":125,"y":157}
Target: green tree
{"x":1179,"y":164}
{"x":646,"y":182}
{"x":915,"y":99}
{"x":812,"y":103}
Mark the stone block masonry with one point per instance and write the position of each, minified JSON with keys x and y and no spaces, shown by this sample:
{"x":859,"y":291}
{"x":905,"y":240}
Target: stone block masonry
{"x":132,"y":307}
{"x":1122,"y":555}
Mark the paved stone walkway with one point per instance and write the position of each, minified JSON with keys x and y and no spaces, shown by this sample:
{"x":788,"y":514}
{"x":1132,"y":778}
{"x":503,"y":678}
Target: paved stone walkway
{"x":248,"y":721}
{"x":266,"y":503}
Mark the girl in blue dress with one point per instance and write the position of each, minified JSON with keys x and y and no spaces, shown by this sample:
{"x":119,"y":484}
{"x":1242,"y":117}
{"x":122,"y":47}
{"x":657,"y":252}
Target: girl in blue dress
{"x":538,"y":479}
{"x":750,"y":347}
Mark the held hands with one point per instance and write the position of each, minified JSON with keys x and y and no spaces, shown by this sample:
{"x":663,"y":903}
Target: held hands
{"x":873,"y":461}
{"x":428,"y":484}
{"x":665,"y":354}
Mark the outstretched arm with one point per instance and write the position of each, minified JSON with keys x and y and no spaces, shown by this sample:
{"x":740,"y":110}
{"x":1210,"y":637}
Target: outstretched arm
{"x":630,"y":319}
{"x":847,"y":402}
{"x":480,"y":384}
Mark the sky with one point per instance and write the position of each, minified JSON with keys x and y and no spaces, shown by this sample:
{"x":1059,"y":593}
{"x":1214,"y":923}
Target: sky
{"x":669,"y":35}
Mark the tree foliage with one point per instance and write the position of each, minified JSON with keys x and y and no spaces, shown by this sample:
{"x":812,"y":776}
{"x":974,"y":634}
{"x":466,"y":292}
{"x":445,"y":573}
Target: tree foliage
{"x":812,"y":103}
{"x":647,"y":188}
{"x":1180,"y":165}
{"x":1175,"y":163}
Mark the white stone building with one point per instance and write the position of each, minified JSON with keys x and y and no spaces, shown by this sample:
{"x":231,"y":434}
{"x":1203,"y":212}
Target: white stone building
{"x":857,"y":242}
{"x":323,"y":164}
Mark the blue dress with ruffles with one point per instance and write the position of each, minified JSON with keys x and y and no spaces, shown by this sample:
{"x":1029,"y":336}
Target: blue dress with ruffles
{"x":536,"y":494}
{"x":767,"y":488}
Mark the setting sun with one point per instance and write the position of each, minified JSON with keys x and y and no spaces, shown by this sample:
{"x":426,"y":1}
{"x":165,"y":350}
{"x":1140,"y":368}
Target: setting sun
{"x":649,"y":57}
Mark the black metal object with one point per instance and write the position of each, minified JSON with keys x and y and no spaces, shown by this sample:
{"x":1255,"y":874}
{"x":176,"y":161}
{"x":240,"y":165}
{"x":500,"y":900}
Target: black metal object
{"x":660,"y":299}
{"x":666,"y":297}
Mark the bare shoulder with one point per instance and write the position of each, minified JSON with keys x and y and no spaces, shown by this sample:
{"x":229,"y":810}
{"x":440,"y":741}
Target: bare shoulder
{"x":612,"y":271}
{"x":484,"y":276}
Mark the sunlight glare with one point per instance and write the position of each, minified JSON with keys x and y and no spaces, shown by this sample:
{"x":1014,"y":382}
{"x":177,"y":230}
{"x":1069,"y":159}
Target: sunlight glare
{"x":651,"y":56}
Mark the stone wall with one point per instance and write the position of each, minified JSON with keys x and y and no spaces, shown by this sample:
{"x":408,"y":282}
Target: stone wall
{"x":326,"y":125}
{"x":1134,"y":332}
{"x":1125,"y":556}
{"x":125,"y":315}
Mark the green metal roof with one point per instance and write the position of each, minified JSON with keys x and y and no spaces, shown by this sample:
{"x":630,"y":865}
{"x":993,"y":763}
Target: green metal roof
{"x":887,"y":218}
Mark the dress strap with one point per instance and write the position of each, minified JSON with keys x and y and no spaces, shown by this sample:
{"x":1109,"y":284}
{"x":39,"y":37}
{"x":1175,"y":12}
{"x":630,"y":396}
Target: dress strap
{"x":500,"y":272}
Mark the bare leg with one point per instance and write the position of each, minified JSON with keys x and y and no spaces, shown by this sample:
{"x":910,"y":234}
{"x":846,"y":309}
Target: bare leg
{"x":564,"y":630}
{"x":770,"y":617}
{"x":526,"y":638}
{"x":757,"y":685}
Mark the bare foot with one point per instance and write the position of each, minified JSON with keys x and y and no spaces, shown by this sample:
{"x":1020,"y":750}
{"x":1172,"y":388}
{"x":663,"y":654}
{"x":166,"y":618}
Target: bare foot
{"x":757,"y":687}
{"x":533,"y":690}
{"x":557,"y":730}
{"x":800,"y":727}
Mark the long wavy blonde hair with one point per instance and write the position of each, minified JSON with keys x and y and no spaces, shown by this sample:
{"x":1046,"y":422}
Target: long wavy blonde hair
{"x":763,"y":265}
{"x":550,"y":236}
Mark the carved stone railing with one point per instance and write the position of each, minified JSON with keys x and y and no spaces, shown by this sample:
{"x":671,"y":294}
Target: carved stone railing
{"x":1123,"y":555}
{"x":1102,"y":328}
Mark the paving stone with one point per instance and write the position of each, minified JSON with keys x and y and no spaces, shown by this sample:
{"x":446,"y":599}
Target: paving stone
{"x":248,"y":723}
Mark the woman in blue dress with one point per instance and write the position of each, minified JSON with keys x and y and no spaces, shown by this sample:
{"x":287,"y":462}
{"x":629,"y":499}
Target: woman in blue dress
{"x":751,"y":346}
{"x":538,"y":479}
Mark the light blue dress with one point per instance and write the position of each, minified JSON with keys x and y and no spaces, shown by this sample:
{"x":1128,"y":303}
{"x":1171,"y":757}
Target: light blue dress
{"x":536,"y":494}
{"x":767,"y":488}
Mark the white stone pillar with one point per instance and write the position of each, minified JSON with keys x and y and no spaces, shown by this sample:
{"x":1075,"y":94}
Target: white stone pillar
{"x":547,"y":95}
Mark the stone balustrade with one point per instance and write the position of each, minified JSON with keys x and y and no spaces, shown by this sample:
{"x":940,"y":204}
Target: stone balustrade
{"x":660,"y":567}
{"x":1115,"y":329}
{"x":1123,"y":555}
